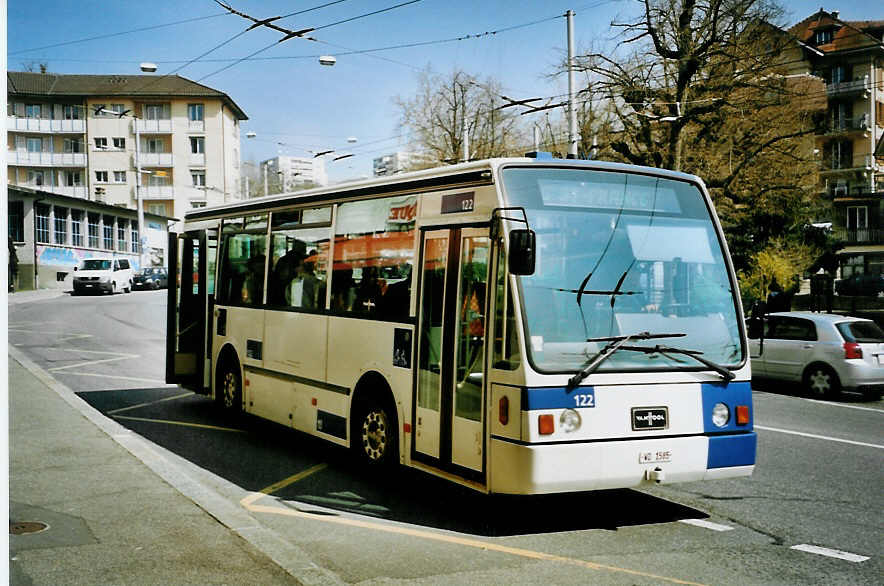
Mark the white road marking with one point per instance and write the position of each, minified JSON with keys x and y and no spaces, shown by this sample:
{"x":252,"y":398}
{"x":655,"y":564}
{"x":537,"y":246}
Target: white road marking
{"x":831,"y":404}
{"x":134,"y":378}
{"x":140,"y":405}
{"x":119,"y":356}
{"x":822,"y":437}
{"x":832,"y":553}
{"x":706,"y":524}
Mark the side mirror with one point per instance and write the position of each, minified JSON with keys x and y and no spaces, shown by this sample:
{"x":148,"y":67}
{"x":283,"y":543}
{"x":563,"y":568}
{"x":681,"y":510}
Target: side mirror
{"x":75,"y":267}
{"x":522,"y":254}
{"x":756,"y":327}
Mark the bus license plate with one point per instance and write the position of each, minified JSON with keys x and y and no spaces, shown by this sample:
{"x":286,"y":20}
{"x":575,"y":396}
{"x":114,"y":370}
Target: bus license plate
{"x":655,"y":457}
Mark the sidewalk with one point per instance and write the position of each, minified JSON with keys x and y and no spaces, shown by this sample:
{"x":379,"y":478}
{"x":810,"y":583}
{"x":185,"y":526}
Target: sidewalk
{"x":111,"y":519}
{"x":34,"y":295}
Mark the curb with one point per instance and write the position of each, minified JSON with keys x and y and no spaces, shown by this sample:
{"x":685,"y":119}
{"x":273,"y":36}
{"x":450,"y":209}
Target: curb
{"x":180,"y":474}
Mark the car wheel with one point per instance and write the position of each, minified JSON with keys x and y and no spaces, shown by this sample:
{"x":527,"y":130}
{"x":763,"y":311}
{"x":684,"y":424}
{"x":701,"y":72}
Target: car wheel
{"x":822,"y":381}
{"x":373,"y":438}
{"x":228,"y":391}
{"x":129,"y":288}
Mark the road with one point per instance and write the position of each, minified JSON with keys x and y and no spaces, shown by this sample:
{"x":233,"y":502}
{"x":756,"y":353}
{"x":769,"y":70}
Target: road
{"x":809,"y":515}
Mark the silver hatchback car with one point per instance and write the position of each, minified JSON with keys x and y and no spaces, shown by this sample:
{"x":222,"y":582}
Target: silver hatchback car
{"x":826,"y":352}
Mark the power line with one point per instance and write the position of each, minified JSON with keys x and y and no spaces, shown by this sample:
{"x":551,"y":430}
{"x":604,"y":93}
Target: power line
{"x":109,"y":35}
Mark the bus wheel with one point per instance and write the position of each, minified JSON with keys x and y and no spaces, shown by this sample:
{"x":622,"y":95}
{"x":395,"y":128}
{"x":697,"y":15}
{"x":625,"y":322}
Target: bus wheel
{"x":228,"y":391}
{"x":375,"y":435}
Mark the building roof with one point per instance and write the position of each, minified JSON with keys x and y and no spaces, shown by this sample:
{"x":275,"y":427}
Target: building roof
{"x":68,"y":200}
{"x":141,"y":86}
{"x":853,"y":34}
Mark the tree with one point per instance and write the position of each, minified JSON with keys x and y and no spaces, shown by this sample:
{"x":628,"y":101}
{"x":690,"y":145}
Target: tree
{"x":712,"y":87}
{"x":436,"y":115}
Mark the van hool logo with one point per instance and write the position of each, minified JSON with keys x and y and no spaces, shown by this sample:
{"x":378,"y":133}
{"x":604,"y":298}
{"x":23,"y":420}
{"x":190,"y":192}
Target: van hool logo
{"x":650,"y":418}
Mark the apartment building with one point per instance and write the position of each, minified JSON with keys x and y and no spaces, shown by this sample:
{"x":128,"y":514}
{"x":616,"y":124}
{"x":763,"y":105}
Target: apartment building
{"x":399,"y":162}
{"x":284,"y":173}
{"x":849,"y":56}
{"x":94,"y":136}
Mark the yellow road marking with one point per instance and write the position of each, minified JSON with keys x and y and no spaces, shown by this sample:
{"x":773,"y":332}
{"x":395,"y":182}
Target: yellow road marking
{"x":182,"y":423}
{"x":148,"y":403}
{"x":135,"y":378}
{"x":249,"y":504}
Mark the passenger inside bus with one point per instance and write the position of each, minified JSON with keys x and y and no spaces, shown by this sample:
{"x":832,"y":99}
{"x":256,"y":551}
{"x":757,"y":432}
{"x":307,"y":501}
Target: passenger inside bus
{"x":293,"y":282}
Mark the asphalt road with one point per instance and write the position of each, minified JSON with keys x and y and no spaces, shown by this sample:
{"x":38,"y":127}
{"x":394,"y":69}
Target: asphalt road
{"x":809,"y":515}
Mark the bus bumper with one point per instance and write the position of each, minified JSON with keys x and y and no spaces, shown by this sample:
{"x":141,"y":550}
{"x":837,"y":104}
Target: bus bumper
{"x":541,"y":469}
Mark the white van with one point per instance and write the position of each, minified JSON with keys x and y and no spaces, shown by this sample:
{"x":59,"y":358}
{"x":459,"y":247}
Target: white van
{"x":103,"y":274}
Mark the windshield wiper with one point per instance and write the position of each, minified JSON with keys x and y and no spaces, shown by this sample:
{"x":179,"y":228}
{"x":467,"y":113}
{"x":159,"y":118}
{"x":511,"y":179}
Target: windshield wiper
{"x":614,"y":343}
{"x":695,"y":354}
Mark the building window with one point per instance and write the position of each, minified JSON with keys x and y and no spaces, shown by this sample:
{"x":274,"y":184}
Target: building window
{"x":156,"y":111}
{"x":101,"y":177}
{"x":154,"y":145}
{"x":118,"y":108}
{"x":93,"y":230}
{"x":108,"y":235}
{"x":134,"y":235}
{"x":73,"y":179}
{"x":35,"y":145}
{"x":197,"y":144}
{"x":197,"y":204}
{"x":77,"y":227}
{"x":41,"y":230}
{"x":100,"y":142}
{"x":823,"y":37}
{"x":158,"y":209}
{"x":194,"y":112}
{"x":35,"y":178}
{"x":73,"y":145}
{"x":61,"y":225}
{"x":70,"y":112}
{"x":17,"y":221}
{"x":119,"y":176}
{"x":121,"y":235}
{"x":98,"y":110}
{"x":32,"y":110}
{"x":119,"y":142}
{"x":198,"y":178}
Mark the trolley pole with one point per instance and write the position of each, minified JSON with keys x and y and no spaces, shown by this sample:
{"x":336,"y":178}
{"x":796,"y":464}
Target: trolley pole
{"x":572,"y":107}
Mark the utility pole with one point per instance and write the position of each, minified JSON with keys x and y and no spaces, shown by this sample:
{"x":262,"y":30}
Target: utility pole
{"x":572,"y":107}
{"x":266,"y":191}
{"x":466,"y":136}
{"x":142,"y":238}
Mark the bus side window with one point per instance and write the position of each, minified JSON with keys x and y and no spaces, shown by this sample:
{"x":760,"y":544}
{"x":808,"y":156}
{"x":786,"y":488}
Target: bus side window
{"x":506,"y":339}
{"x":242,"y":268}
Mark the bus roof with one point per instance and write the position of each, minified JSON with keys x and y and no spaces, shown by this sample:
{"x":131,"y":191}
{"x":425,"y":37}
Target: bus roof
{"x":448,"y":177}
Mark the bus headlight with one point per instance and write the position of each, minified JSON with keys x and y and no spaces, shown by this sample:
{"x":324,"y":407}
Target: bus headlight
{"x":570,"y":420}
{"x":720,"y":414}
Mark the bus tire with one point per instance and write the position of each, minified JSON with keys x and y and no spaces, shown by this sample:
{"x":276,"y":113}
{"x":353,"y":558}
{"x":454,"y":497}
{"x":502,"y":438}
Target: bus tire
{"x":374,"y":440}
{"x":228,"y":386}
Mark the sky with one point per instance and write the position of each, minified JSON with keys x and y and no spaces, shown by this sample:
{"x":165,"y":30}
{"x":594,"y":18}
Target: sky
{"x":294,"y":104}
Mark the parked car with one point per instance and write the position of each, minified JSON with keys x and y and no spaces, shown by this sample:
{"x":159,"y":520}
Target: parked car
{"x":103,"y":275}
{"x":151,"y":278}
{"x":864,"y":284}
{"x":825,"y":352}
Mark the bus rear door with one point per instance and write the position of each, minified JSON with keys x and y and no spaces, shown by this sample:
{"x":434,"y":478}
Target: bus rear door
{"x":450,"y":389}
{"x":189,"y":306}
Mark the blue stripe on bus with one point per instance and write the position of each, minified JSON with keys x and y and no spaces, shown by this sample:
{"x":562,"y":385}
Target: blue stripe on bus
{"x":731,"y":394}
{"x":731,"y":450}
{"x":557,"y":398}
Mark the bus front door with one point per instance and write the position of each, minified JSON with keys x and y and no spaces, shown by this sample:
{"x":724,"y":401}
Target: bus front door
{"x":449,"y":412}
{"x":188,"y":308}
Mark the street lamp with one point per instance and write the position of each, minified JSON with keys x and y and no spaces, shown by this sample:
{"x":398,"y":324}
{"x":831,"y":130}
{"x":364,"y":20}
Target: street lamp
{"x":148,"y":67}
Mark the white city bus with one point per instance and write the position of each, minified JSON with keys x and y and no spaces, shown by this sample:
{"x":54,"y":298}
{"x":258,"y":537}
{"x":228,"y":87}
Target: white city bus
{"x":518,"y":326}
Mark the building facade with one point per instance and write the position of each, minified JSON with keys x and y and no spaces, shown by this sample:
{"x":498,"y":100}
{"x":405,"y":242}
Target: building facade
{"x":110,"y":139}
{"x":399,"y":162}
{"x":52,"y":232}
{"x":849,"y":57}
{"x":284,"y":173}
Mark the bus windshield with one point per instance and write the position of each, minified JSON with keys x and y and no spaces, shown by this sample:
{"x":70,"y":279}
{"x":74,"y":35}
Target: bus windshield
{"x":618,"y":254}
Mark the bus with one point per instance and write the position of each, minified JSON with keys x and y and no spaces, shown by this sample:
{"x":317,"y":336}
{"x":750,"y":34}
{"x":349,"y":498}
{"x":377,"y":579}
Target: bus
{"x":519,"y":326}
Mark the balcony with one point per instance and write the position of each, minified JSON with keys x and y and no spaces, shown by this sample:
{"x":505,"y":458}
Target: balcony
{"x":196,"y":126}
{"x":42,"y":159}
{"x":154,"y":126}
{"x":155,"y":159}
{"x":157,"y":192}
{"x":859,"y":235}
{"x":858,"y":86}
{"x":846,"y":164}
{"x":71,"y":191}
{"x":39,"y":125}
{"x":849,"y":125}
{"x":197,"y":160}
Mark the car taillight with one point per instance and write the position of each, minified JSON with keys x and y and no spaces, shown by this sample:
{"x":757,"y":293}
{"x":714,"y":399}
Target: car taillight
{"x":852,"y":350}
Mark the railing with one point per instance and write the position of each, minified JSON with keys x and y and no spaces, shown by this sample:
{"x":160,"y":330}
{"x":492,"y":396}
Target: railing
{"x":197,"y":160}
{"x":859,"y":235}
{"x":196,"y":125}
{"x":848,"y":124}
{"x":43,"y":159}
{"x":16,"y":123}
{"x":157,"y":192}
{"x":846,"y":164}
{"x":154,"y":126}
{"x":847,"y":87}
{"x":155,"y":159}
